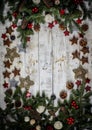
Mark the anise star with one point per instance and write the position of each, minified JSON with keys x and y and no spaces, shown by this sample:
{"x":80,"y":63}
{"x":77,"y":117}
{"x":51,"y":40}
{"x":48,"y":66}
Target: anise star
{"x":84,"y":60}
{"x":76,"y":54}
{"x":85,"y":50}
{"x":9,"y":30}
{"x":16,"y":72}
{"x":7,"y":42}
{"x":7,"y":63}
{"x":6,"y":74}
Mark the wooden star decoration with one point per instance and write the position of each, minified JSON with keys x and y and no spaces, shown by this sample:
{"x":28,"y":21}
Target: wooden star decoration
{"x":7,"y":64}
{"x":7,"y":42}
{"x":13,"y":83}
{"x":6,"y":74}
{"x":85,"y":50}
{"x":76,"y":54}
{"x":84,"y":60}
{"x":11,"y":54}
{"x":16,"y":71}
{"x":9,"y":30}
{"x":74,"y":40}
{"x":80,"y":72}
{"x":26,"y":82}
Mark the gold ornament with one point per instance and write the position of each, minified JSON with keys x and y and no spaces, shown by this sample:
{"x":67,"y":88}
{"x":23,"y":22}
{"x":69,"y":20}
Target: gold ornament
{"x":80,"y":72}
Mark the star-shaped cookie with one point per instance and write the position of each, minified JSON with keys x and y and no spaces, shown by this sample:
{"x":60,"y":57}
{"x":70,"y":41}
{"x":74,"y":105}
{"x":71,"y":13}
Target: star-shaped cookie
{"x":9,"y":30}
{"x":7,"y":42}
{"x":85,"y":50}
{"x":76,"y":54}
{"x":16,"y":71}
{"x":80,"y":72}
{"x":7,"y":64}
{"x":6,"y":74}
{"x":11,"y":54}
{"x":84,"y":60}
{"x":74,"y":40}
{"x":26,"y":82}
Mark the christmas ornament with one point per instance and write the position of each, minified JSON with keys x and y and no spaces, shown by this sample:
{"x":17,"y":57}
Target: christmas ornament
{"x":70,"y":121}
{"x":85,"y":50}
{"x":4,"y":36}
{"x":84,"y":27}
{"x":13,"y":83}
{"x":26,"y":82}
{"x":40,"y":109}
{"x":32,"y":122}
{"x":7,"y":42}
{"x":66,"y":32}
{"x":15,"y":14}
{"x":11,"y":54}
{"x":26,"y":118}
{"x":36,"y":1}
{"x":69,"y":85}
{"x":83,"y":42}
{"x":88,"y":88}
{"x":9,"y":30}
{"x":7,"y":64}
{"x":57,"y":2}
{"x":48,"y":3}
{"x":53,"y":96}
{"x":76,"y":54}
{"x":80,"y":72}
{"x":12,"y":37}
{"x":84,"y":60}
{"x":49,"y":18}
{"x":38,"y":127}
{"x":58,"y":125}
{"x":62,"y":26}
{"x":74,"y":40}
{"x":5,"y":85}
{"x":6,"y":74}
{"x":16,"y":71}
{"x":63,"y":94}
{"x":37,"y":27}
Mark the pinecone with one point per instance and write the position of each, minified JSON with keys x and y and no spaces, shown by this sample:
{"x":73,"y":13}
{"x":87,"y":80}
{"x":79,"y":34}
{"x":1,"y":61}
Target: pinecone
{"x":83,"y":42}
{"x":63,"y":94}
{"x":84,"y":27}
{"x":37,"y":27}
{"x":24,"y":24}
{"x":62,"y":27}
{"x":69,"y":85}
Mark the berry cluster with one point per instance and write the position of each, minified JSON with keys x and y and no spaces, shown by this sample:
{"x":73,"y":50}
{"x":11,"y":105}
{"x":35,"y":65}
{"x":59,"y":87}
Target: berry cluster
{"x":74,"y":104}
{"x":35,"y":10}
{"x":70,"y":121}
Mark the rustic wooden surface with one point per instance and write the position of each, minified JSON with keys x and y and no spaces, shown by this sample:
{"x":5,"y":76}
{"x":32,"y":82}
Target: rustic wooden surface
{"x":48,"y":60}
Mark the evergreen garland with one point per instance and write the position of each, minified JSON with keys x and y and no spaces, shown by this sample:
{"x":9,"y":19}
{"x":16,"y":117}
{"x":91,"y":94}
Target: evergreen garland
{"x":33,"y":12}
{"x":25,"y":111}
